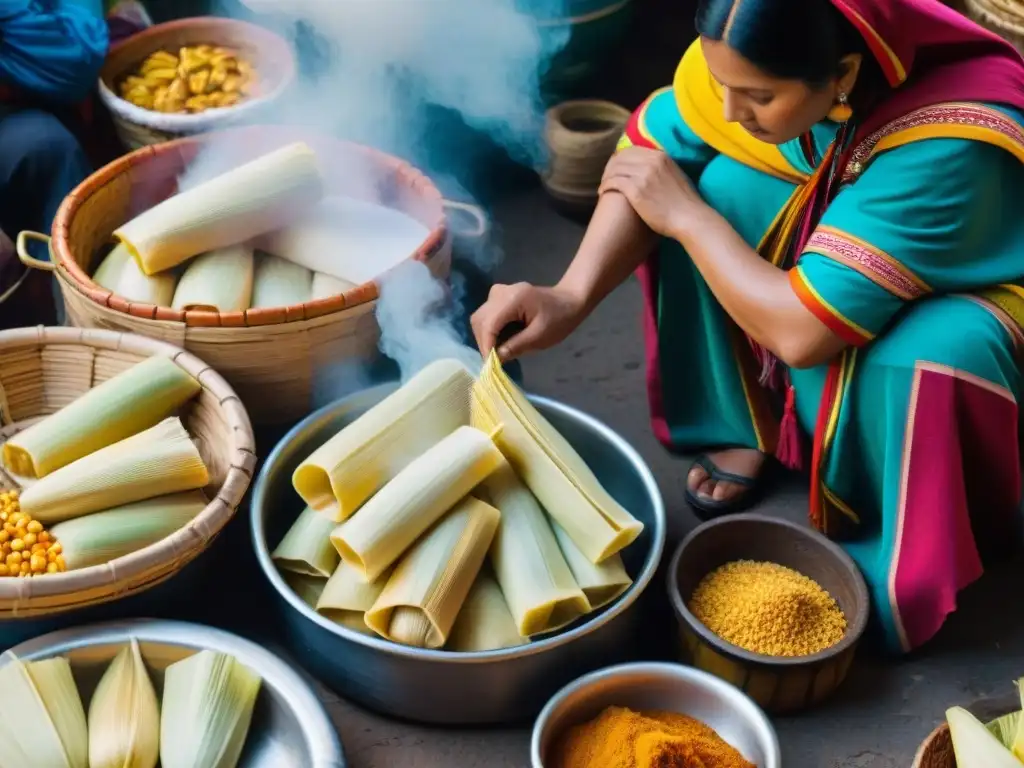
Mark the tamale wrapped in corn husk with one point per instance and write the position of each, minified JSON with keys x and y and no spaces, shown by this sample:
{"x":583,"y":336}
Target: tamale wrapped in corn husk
{"x":347,"y":597}
{"x":308,"y":588}
{"x":325,"y":285}
{"x":306,"y":548}
{"x":354,"y":464}
{"x":400,"y":512}
{"x":234,"y":207}
{"x":42,"y":720}
{"x":217,"y":281}
{"x":551,"y":468}
{"x":158,"y":461}
{"x":207,"y":709}
{"x":601,"y":582}
{"x":104,"y":536}
{"x":424,"y":595}
{"x":535,"y":580}
{"x":124,"y":717}
{"x":134,"y":400}
{"x":280,"y":283}
{"x":484,"y":623}
{"x":121,"y":274}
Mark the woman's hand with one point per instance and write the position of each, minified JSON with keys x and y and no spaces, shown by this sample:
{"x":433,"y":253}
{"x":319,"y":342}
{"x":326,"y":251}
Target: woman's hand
{"x":547,"y":314}
{"x":655,"y":186}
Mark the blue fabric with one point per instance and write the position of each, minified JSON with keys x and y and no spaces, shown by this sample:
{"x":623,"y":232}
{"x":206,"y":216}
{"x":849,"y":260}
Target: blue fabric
{"x":52,"y":49}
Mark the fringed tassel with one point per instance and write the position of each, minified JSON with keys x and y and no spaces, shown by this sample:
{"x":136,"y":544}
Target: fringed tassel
{"x":772,"y":373}
{"x":790,"y":451}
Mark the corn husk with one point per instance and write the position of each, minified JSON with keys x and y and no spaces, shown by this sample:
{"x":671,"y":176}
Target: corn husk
{"x":121,"y":406}
{"x":484,"y":623}
{"x":217,"y":281}
{"x":974,"y":744}
{"x":232,"y":208}
{"x":389,"y":523}
{"x":347,"y":597}
{"x":105,"y":536}
{"x":279,"y":283}
{"x":307,"y":547}
{"x":551,"y":468}
{"x":159,"y":461}
{"x":207,"y":709}
{"x":424,"y":595}
{"x":535,"y":580}
{"x":601,"y":582}
{"x":354,"y":464}
{"x":120,"y":274}
{"x":124,"y":717}
{"x":1005,"y":729}
{"x":42,"y":720}
{"x":307,"y":588}
{"x":325,"y":286}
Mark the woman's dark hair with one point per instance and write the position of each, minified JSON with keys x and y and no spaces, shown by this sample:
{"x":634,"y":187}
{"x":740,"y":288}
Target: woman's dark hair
{"x":790,"y":39}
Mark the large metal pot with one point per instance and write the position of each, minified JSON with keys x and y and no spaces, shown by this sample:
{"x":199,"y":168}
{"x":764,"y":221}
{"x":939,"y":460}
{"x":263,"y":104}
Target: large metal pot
{"x":460,"y":688}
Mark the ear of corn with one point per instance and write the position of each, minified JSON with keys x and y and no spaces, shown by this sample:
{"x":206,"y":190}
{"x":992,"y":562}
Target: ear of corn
{"x":124,"y":717}
{"x":121,"y":274}
{"x":350,"y":467}
{"x":307,"y":548}
{"x":104,"y":536}
{"x":134,"y":400}
{"x":217,"y":281}
{"x":601,"y":582}
{"x":207,"y":709}
{"x":484,"y":623}
{"x":347,"y":597}
{"x":42,"y":720}
{"x":423,"y":597}
{"x":279,"y":283}
{"x":553,"y":470}
{"x":234,"y":207}
{"x":157,"y":461}
{"x":390,"y":522}
{"x":536,"y":581}
{"x":325,"y":286}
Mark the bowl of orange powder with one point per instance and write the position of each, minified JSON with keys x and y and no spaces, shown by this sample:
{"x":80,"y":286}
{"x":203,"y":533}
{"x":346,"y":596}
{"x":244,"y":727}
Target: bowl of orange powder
{"x":653,"y":715}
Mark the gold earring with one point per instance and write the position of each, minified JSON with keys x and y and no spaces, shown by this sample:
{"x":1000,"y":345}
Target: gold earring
{"x":842,"y":111}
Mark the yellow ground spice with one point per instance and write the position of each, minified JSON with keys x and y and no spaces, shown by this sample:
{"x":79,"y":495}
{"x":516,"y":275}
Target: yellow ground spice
{"x":769,"y":609}
{"x":26,"y":547}
{"x":622,"y":738}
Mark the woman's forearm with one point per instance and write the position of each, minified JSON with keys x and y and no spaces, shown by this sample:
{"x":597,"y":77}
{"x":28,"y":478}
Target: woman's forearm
{"x":616,"y":242}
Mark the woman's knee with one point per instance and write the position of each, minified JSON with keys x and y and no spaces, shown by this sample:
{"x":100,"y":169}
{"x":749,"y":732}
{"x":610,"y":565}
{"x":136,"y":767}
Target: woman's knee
{"x":33,"y":141}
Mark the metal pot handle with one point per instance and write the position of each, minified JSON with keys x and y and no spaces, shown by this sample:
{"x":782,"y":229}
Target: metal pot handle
{"x":475,"y":212}
{"x":29,"y":261}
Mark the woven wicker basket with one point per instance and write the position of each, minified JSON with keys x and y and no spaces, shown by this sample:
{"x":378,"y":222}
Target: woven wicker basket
{"x":42,"y":370}
{"x":936,"y":751}
{"x":269,"y":355}
{"x":270,"y":54}
{"x":1004,"y":17}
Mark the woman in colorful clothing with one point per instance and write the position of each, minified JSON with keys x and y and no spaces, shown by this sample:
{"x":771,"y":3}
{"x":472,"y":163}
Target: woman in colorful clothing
{"x":823,"y":213}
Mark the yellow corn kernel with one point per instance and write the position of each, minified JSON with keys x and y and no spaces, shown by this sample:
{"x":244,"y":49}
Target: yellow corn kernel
{"x":34,"y":527}
{"x":229,"y":99}
{"x":232,"y":84}
{"x":29,"y":539}
{"x":60,"y":562}
{"x":56,"y":548}
{"x":218,"y":75}
{"x":38,"y":564}
{"x":17,"y":545}
{"x":13,"y":560}
{"x":198,"y":103}
{"x":4,"y":571}
{"x":198,"y":82}
{"x":26,"y":568}
{"x":52,"y":568}
{"x":4,"y":537}
{"x":44,"y":537}
{"x":39,"y":548}
{"x":160,"y":76}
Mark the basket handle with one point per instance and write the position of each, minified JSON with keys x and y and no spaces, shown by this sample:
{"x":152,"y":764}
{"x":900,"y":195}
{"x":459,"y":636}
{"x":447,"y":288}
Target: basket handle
{"x":475,"y":212}
{"x":29,"y":261}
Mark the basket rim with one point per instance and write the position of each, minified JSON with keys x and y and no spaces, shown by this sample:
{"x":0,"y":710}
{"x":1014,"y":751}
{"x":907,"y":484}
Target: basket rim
{"x":260,"y":316}
{"x":209,"y":119}
{"x":174,"y":551}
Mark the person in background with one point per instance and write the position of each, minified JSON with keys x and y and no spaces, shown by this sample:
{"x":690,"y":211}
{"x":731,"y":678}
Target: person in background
{"x":51,"y":52}
{"x":824,"y":212}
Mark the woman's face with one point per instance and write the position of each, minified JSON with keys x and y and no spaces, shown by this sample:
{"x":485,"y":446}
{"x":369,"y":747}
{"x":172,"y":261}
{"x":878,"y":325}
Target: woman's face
{"x":771,"y":109}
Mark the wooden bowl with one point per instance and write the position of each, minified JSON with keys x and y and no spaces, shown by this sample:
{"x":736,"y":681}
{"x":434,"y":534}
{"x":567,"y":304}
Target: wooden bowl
{"x":936,"y":751}
{"x":779,"y":684}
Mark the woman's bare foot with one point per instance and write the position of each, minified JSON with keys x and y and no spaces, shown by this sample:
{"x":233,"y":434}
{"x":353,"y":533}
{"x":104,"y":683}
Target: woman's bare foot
{"x":745,"y":462}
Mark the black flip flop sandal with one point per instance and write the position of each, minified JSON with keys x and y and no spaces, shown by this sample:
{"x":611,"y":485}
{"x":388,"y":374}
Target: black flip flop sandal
{"x":708,"y":509}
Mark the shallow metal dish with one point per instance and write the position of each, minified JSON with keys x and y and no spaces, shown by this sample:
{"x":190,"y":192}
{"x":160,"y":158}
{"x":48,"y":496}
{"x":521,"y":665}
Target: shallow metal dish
{"x":290,"y":728}
{"x":671,"y":687}
{"x":459,"y":688}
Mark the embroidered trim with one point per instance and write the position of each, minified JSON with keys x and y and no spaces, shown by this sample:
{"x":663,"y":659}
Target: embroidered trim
{"x":841,"y":326}
{"x":874,"y":264}
{"x":939,"y":114}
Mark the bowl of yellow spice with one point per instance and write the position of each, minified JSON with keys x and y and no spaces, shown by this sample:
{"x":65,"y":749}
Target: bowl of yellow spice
{"x":772,"y":607}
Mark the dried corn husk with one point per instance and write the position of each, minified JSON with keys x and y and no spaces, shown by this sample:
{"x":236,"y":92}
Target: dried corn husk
{"x":325,"y":286}
{"x":158,"y":461}
{"x":389,"y":523}
{"x":217,"y":281}
{"x":279,"y":283}
{"x":308,"y":588}
{"x":423,"y":597}
{"x":484,"y":623}
{"x":232,"y":208}
{"x":124,"y":717}
{"x":307,"y":547}
{"x":121,"y":274}
{"x":207,"y":709}
{"x":601,"y":582}
{"x":347,"y":597}
{"x":350,"y":467}
{"x":134,"y":400}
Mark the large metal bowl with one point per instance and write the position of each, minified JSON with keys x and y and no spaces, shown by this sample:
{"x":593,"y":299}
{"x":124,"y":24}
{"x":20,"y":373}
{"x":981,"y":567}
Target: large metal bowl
{"x":290,"y":728}
{"x":668,"y":687}
{"x":502,"y":686}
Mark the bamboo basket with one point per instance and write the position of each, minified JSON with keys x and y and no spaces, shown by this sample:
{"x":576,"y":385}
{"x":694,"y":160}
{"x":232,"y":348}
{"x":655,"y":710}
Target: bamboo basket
{"x":43,"y":369}
{"x":1004,"y":17}
{"x":268,"y":355}
{"x":270,"y":54}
